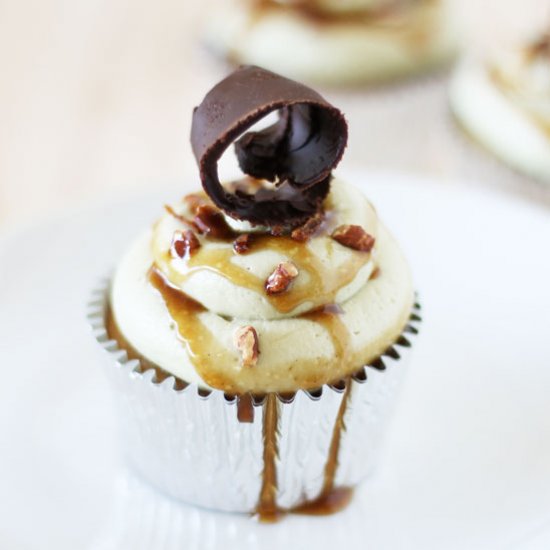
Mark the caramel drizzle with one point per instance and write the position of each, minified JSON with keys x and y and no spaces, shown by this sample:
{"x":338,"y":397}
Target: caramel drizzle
{"x":330,"y":318}
{"x":339,"y":428}
{"x":267,"y":505}
{"x":331,"y":499}
{"x":313,"y":283}
{"x":213,"y":361}
{"x":209,"y":357}
{"x":245,"y":408}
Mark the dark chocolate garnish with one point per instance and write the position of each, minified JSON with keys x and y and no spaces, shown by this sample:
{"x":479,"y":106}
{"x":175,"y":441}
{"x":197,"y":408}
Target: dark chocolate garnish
{"x":297,"y":153}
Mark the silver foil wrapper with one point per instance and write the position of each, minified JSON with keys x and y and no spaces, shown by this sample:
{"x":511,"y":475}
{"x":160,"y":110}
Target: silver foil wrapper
{"x":190,"y":445}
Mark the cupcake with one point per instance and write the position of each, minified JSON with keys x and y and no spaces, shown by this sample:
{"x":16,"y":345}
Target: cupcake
{"x":336,"y":42}
{"x":504,"y":105}
{"x":258,"y":330}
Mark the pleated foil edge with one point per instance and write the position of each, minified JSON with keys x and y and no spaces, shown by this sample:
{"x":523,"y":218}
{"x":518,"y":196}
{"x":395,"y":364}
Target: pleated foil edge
{"x":189,"y":444}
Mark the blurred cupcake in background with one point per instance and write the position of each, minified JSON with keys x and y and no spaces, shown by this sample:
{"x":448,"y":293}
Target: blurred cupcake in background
{"x":503,"y":103}
{"x":336,"y":42}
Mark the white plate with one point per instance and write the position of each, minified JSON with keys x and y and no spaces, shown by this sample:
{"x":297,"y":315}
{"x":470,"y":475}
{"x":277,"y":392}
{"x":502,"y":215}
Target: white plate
{"x":467,"y":462}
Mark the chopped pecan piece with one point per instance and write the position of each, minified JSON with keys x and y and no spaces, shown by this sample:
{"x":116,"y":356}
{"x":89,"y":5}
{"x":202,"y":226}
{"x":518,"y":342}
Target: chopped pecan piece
{"x":354,"y":236}
{"x":280,"y":279}
{"x":306,"y":231}
{"x":241,"y":245}
{"x":210,"y":221}
{"x":246,"y":341}
{"x":184,"y":243}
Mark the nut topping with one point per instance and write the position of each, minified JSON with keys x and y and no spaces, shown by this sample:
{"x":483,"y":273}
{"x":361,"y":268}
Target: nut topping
{"x":354,"y":236}
{"x":184,"y":243}
{"x":210,"y":221}
{"x":281,"y":278}
{"x":246,"y":341}
{"x":241,"y":245}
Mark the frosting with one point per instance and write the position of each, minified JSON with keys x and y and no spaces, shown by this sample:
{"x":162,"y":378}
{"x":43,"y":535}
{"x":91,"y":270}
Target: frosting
{"x":191,"y":334}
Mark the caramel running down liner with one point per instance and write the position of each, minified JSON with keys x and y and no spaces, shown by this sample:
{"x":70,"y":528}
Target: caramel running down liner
{"x":284,"y":453}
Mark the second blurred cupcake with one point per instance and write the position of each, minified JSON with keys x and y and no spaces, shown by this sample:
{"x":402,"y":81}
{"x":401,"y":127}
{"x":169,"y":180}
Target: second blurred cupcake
{"x":336,"y":42}
{"x":503,"y":103}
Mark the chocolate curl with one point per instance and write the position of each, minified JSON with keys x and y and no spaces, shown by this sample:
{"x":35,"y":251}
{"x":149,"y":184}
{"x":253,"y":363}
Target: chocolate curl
{"x":297,"y":153}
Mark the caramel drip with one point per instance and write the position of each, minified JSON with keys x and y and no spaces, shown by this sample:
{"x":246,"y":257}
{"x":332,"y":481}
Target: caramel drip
{"x":245,"y":408}
{"x":339,"y":427}
{"x":331,"y":499}
{"x":268,"y":510}
{"x":331,"y":503}
{"x":330,"y":318}
{"x":314,"y":281}
{"x":209,"y":357}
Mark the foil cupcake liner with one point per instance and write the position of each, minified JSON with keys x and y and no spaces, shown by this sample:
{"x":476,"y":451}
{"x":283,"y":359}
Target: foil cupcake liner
{"x":189,"y":443}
